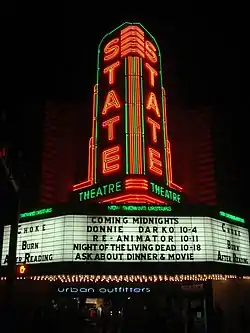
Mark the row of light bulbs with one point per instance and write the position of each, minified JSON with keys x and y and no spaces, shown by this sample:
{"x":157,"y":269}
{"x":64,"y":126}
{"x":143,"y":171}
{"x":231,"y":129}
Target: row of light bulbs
{"x":129,"y":278}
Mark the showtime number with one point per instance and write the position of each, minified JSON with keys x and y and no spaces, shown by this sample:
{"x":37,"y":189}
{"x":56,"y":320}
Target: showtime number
{"x":187,"y":238}
{"x":186,"y":247}
{"x":186,"y":229}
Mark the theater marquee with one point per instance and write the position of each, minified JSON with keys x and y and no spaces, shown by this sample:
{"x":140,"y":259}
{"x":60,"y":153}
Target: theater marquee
{"x":82,"y":238}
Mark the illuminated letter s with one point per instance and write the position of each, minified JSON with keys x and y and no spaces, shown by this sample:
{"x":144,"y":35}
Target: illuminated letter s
{"x":111,"y":49}
{"x":151,"y":51}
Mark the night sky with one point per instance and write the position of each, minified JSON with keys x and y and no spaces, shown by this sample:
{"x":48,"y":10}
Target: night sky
{"x":50,"y":54}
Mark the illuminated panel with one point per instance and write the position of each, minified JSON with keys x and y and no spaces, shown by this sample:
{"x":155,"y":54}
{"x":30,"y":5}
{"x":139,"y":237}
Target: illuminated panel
{"x":36,"y":212}
{"x":232,"y":217}
{"x":135,"y":238}
{"x":129,"y":129}
{"x":132,"y":41}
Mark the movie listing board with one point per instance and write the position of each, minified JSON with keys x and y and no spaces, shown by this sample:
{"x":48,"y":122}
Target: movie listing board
{"x":82,"y":238}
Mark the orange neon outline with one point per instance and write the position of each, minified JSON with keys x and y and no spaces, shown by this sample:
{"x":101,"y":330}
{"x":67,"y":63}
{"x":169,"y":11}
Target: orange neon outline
{"x":152,"y":104}
{"x":109,"y":156}
{"x":94,"y":143}
{"x":152,"y":74}
{"x":111,"y":100}
{"x":171,"y":184}
{"x":134,"y":198}
{"x":136,"y":183}
{"x":151,"y":51}
{"x":92,"y":147}
{"x":111,"y":71}
{"x":136,"y":187}
{"x":110,"y":125}
{"x":89,"y":181}
{"x":132,"y":180}
{"x":155,"y":127}
{"x":111,"y":50}
{"x":155,"y":164}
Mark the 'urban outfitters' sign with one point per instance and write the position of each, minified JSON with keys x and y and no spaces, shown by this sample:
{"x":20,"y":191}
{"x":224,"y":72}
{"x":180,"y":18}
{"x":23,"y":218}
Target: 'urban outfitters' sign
{"x":82,"y":238}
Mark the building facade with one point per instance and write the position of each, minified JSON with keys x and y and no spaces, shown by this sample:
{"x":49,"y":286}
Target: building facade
{"x":143,"y":224}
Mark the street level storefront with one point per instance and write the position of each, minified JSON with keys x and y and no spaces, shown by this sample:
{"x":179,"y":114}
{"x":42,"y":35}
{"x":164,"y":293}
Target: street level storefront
{"x":190,"y":298}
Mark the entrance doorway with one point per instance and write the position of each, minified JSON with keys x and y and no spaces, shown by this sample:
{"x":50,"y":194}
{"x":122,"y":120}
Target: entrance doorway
{"x":118,"y":313}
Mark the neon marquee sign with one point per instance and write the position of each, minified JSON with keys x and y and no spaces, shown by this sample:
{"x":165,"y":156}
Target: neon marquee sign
{"x":129,"y":148}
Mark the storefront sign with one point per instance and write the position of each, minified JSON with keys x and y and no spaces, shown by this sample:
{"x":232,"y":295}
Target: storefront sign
{"x":102,"y":290}
{"x":82,"y":238}
{"x":192,"y":287}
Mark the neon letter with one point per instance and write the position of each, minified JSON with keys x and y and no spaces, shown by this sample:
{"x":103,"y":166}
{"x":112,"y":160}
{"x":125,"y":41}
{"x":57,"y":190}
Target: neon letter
{"x":111,"y":49}
{"x":155,"y":164}
{"x":152,"y":74}
{"x":111,"y":100}
{"x":150,"y":51}
{"x":152,"y":104}
{"x":155,"y":127}
{"x":111,"y":69}
{"x":109,"y":158}
{"x":110,"y":125}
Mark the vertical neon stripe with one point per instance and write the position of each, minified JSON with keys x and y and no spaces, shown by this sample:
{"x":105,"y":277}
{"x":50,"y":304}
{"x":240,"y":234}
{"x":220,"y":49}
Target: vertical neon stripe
{"x":142,"y":117}
{"x":130,"y":112}
{"x":137,"y":163}
{"x":164,"y":124}
{"x":126,"y":117}
{"x":138,"y":113}
{"x":134,"y":118}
